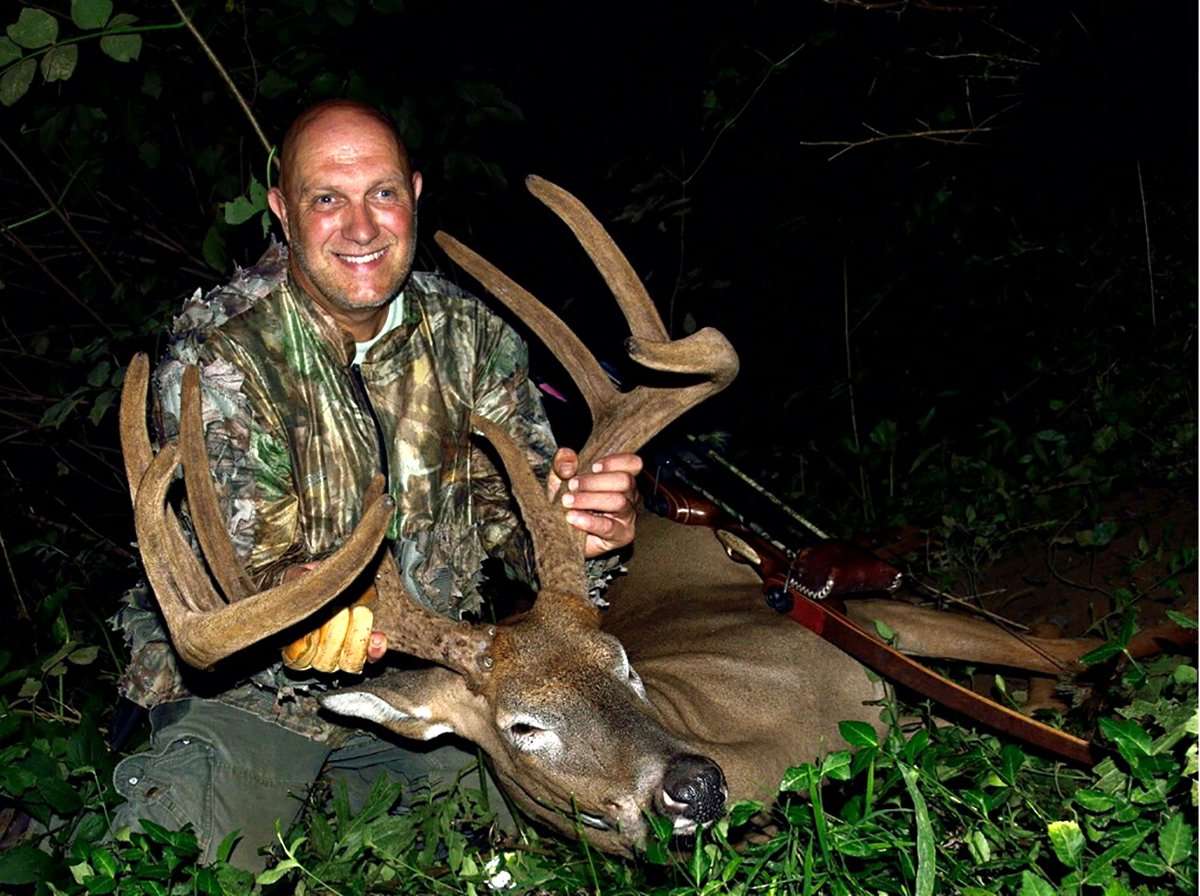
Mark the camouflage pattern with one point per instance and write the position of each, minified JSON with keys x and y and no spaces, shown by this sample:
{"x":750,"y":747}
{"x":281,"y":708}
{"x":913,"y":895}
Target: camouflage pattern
{"x":293,"y":446}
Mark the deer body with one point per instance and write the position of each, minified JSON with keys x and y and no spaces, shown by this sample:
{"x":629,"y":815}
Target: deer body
{"x":728,"y":675}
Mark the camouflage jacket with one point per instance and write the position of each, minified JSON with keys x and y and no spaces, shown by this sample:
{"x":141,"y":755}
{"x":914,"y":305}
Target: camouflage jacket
{"x":290,"y":424}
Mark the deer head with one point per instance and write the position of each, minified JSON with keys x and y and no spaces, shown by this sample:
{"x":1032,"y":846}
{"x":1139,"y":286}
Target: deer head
{"x":550,"y":697}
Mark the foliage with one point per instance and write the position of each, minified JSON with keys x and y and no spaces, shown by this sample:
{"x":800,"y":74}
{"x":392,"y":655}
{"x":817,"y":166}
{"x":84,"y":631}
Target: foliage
{"x":921,"y":810}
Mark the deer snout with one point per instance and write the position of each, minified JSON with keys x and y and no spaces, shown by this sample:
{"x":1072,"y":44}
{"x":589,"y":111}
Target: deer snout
{"x":693,"y":791}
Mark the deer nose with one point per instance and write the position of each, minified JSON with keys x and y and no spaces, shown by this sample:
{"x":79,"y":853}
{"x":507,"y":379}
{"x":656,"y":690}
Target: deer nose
{"x":694,"y":788}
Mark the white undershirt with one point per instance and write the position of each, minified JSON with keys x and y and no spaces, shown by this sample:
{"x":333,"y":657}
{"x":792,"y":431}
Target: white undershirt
{"x":394,"y":316}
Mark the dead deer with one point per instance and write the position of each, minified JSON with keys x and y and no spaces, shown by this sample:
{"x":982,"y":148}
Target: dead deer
{"x":688,"y":692}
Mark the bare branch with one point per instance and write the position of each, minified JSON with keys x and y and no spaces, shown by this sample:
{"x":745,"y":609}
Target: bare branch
{"x":934,"y":135}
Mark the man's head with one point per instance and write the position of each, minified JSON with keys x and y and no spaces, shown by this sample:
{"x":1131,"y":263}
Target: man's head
{"x":347,"y":201}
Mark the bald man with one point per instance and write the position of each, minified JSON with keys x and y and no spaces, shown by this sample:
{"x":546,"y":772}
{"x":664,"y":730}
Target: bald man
{"x":326,"y":364}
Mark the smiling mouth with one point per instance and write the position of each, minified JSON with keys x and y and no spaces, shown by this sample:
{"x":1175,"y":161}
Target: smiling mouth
{"x":362,"y":259}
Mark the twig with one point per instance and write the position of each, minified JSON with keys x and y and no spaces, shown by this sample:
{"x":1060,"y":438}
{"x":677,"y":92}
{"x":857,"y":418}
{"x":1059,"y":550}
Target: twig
{"x":1149,"y":263}
{"x":212,"y":57}
{"x":862,"y":472}
{"x":970,"y":607}
{"x":59,"y":212}
{"x":934,"y":134}
{"x":777,"y":64}
{"x":23,"y":610}
{"x":16,"y":241}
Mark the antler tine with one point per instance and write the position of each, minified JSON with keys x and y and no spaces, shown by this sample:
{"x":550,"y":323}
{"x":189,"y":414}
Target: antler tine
{"x":618,"y":273}
{"x":559,"y":552}
{"x":202,"y":495}
{"x":586,"y":372}
{"x":135,"y":438}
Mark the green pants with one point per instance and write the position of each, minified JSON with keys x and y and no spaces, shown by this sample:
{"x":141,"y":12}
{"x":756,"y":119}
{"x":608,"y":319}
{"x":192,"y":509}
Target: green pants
{"x":221,"y":769}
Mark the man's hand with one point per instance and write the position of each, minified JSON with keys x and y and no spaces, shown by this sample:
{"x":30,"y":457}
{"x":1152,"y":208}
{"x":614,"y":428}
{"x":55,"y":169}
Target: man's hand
{"x":602,"y":502}
{"x":344,"y":643}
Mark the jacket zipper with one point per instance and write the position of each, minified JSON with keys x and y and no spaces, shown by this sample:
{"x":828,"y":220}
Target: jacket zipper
{"x":360,"y":386}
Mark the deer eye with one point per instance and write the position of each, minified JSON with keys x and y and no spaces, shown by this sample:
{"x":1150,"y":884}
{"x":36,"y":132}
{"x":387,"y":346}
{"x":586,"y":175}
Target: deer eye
{"x":527,"y":734}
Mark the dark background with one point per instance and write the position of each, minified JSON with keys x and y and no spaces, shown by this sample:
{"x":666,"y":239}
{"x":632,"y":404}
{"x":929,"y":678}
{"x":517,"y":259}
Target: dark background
{"x":1008,"y":345}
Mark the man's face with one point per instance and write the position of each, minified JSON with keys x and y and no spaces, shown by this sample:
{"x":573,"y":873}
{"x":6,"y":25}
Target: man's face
{"x":348,"y":209}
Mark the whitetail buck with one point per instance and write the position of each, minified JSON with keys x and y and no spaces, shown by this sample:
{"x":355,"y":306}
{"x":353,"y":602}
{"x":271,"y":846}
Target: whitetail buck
{"x":686,"y":693}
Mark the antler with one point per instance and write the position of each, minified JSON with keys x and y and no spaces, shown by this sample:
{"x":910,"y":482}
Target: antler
{"x":621,"y":421}
{"x":207,"y":627}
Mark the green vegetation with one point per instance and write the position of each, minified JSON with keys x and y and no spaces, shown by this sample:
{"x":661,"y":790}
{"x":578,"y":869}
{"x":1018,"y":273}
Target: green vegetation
{"x":978,"y":322}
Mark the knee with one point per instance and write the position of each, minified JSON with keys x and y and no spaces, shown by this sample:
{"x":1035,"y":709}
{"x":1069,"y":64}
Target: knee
{"x":170,"y":785}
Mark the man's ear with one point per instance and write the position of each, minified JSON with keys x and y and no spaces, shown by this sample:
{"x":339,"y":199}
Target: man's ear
{"x":278,"y":205}
{"x":420,"y":704}
{"x":416,"y":185}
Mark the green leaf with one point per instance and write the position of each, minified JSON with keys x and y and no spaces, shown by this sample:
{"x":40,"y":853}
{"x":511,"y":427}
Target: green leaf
{"x":91,"y":14}
{"x":1188,"y":622}
{"x":1067,"y":840}
{"x":1175,"y":840}
{"x":1094,"y":800}
{"x":1131,"y":739}
{"x":1102,"y":654}
{"x":16,"y":80}
{"x":33,"y":29}
{"x":213,"y":249}
{"x":121,"y":47}
{"x":743,"y":811}
{"x":60,"y":795}
{"x":795,"y":779}
{"x":9,"y":52}
{"x":239,"y":211}
{"x":926,"y":854}
{"x":275,"y":84}
{"x":106,"y":863}
{"x":836,"y":766}
{"x":1032,"y":885}
{"x":858,"y":734}
{"x":84,"y":656}
{"x":1147,"y":865}
{"x":1011,"y":760}
{"x":25,"y":865}
{"x":59,"y":63}
{"x":277,"y":873}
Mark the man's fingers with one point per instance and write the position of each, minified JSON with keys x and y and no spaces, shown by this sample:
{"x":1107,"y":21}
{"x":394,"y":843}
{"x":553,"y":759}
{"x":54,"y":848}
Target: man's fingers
{"x":377,"y":647}
{"x":353,"y":655}
{"x":333,"y":634}
{"x":602,"y":482}
{"x":618,"y":463}
{"x":602,"y":502}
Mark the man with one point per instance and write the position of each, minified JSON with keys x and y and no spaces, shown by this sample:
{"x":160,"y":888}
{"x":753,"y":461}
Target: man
{"x":348,"y":366}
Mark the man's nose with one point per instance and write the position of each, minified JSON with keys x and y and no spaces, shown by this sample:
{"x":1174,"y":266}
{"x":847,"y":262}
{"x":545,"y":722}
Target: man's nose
{"x":360,"y":226}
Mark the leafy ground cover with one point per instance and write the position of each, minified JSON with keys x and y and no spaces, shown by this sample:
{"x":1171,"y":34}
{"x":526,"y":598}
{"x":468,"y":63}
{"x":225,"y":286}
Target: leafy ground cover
{"x":926,"y":809}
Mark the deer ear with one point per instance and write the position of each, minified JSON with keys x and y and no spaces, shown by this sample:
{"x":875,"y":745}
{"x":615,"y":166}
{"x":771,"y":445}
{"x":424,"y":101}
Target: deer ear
{"x":417,"y":704}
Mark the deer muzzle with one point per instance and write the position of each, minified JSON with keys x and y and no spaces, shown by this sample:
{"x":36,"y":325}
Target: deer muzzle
{"x":693,"y":792}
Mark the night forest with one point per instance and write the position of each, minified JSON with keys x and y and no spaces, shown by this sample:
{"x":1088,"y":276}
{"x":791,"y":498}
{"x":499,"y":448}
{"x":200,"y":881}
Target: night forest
{"x":954,"y":244}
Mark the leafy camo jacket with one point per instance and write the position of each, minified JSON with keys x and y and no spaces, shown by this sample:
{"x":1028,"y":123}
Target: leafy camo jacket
{"x":290,"y":425}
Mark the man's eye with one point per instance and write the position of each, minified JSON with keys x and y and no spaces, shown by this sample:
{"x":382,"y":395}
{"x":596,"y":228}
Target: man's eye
{"x":324,"y":199}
